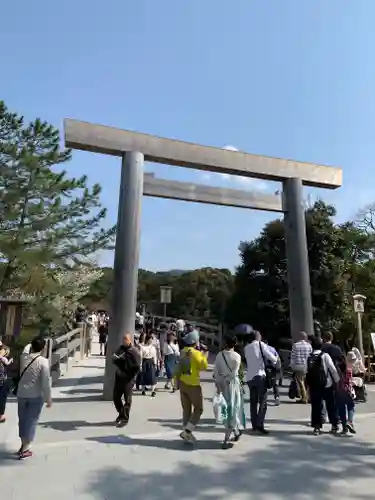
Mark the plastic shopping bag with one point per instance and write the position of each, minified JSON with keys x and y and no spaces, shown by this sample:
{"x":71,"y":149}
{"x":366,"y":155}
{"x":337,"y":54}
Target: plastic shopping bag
{"x":219,"y":406}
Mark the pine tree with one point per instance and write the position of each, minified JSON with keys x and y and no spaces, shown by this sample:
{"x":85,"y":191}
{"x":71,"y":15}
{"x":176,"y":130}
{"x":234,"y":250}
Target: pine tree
{"x":47,"y":221}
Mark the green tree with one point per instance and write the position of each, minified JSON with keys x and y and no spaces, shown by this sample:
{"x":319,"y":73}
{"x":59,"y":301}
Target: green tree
{"x":201,"y":293}
{"x":261,"y":286}
{"x":47,"y":220}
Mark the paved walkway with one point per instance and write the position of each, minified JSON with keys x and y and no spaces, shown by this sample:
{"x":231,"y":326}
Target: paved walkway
{"x":80,"y":454}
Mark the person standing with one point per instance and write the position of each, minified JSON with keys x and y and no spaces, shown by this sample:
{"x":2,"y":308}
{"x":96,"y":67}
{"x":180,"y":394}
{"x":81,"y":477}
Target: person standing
{"x":226,"y":375}
{"x":257,"y":354}
{"x":5,"y":361}
{"x":188,"y":370}
{"x":127,"y":360}
{"x":301,"y":351}
{"x":34,"y":389}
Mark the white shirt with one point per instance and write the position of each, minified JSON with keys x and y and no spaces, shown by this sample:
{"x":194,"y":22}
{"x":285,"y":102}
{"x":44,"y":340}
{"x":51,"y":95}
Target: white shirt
{"x":227,"y":365}
{"x":171,"y":349}
{"x":180,"y":325}
{"x":254,"y":359}
{"x":329,"y":368}
{"x":149,"y":352}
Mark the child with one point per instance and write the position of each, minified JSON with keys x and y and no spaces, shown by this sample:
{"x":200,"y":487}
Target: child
{"x":345,"y":393}
{"x":4,"y":362}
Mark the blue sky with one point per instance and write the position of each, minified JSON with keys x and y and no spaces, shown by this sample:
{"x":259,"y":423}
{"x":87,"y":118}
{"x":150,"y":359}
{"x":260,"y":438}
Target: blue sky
{"x":287,"y":78}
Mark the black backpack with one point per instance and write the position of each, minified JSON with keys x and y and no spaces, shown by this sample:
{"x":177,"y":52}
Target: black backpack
{"x":316,"y":377}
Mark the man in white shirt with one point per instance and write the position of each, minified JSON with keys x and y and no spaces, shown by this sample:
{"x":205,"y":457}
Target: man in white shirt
{"x":256,"y":353}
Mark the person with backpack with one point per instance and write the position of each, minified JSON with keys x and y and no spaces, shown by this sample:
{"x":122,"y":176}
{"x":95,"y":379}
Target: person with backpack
{"x":127,"y":360}
{"x":187,"y":375}
{"x":321,"y":378}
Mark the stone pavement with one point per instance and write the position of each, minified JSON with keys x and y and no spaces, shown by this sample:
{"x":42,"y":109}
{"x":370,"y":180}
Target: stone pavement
{"x":80,"y":454}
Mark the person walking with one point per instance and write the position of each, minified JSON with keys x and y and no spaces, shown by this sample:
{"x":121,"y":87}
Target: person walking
{"x":226,"y":375}
{"x":139,"y":344}
{"x":188,"y":370}
{"x":149,"y":365}
{"x":301,"y":351}
{"x":34,"y":389}
{"x":171,"y":355}
{"x":257,"y":354}
{"x":345,"y":393}
{"x":275,"y":371}
{"x":321,"y":379}
{"x":103,"y":334}
{"x":127,"y":360}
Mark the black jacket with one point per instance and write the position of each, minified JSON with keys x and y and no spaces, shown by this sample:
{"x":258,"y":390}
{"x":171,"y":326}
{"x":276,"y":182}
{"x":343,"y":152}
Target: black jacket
{"x":334,"y":351}
{"x":127,"y":360}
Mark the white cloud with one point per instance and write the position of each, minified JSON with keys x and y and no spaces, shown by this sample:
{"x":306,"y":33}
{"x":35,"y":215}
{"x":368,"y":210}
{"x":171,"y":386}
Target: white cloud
{"x":243,"y":182}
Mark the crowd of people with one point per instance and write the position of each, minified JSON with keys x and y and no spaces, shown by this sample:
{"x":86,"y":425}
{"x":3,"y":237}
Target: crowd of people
{"x":322,"y":375}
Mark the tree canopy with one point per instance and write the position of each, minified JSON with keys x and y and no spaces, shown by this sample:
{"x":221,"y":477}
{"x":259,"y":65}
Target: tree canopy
{"x":340,"y":258}
{"x":50,"y":224}
{"x":201,"y":293}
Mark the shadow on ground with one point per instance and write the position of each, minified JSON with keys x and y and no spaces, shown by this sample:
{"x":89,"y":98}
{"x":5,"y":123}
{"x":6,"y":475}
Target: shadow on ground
{"x":205,"y":424}
{"x":72,"y":381}
{"x":291,"y":467}
{"x":74,"y":425}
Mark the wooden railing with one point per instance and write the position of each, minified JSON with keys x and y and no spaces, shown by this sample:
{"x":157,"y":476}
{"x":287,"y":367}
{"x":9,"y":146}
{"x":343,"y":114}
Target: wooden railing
{"x":68,"y":348}
{"x":211,"y":335}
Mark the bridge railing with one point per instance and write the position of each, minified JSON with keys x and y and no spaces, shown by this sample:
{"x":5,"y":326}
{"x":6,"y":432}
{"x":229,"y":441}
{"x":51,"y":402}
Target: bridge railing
{"x":68,"y":348}
{"x":211,"y":335}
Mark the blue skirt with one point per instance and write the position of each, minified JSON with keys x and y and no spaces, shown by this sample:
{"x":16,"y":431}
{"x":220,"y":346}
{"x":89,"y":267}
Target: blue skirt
{"x":169,"y":364}
{"x":148,"y":373}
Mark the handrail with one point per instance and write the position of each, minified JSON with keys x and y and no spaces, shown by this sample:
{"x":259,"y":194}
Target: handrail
{"x":213,"y":338}
{"x":66,"y":336}
{"x":61,"y":349}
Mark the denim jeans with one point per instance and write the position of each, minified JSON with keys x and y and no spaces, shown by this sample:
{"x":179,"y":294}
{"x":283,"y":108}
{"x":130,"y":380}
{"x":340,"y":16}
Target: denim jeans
{"x":346,"y":406}
{"x":3,"y":397}
{"x":29,"y":410}
{"x":258,"y":401}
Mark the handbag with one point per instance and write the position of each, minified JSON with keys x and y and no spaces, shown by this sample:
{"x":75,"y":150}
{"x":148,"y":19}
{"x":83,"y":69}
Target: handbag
{"x":220,"y":408}
{"x":268,"y":369}
{"x":17,"y":380}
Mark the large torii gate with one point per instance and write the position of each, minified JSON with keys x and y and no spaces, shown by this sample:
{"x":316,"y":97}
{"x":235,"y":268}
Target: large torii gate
{"x":134,"y":148}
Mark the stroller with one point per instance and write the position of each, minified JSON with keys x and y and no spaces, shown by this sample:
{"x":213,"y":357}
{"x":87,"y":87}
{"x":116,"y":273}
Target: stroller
{"x":360,"y":390}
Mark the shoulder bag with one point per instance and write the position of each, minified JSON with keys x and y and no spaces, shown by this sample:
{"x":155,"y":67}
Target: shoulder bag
{"x":267,"y":368}
{"x":17,"y":380}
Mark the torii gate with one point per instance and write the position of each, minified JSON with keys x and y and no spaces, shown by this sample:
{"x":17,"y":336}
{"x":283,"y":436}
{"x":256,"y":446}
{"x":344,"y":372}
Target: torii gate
{"x":134,"y":148}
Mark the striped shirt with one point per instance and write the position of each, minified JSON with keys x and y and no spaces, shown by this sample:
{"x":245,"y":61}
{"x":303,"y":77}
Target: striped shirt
{"x":300,"y":352}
